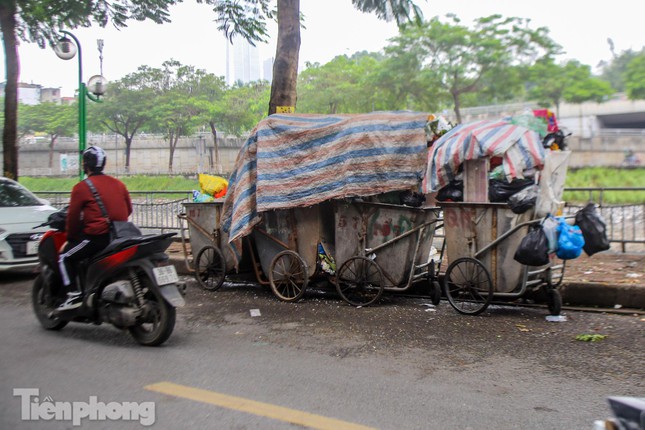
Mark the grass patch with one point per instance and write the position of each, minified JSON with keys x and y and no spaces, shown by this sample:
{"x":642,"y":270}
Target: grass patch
{"x":134,"y":183}
{"x":603,"y":177}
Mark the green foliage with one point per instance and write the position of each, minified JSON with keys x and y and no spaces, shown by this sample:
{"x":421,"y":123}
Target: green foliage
{"x":40,"y":20}
{"x":246,"y":18}
{"x":614,"y":71}
{"x":550,"y":84}
{"x":635,"y":77}
{"x":343,"y":85}
{"x":48,"y":118}
{"x":458,"y":59}
{"x":582,"y":86}
{"x":591,"y":337}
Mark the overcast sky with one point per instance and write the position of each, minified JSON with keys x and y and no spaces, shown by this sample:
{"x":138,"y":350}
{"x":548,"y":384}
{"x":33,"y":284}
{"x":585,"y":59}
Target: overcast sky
{"x":333,"y":27}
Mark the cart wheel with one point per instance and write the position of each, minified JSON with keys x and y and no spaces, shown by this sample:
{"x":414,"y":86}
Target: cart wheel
{"x":288,"y":276}
{"x":554,"y":301}
{"x":435,"y":292}
{"x":210,"y":268}
{"x":360,"y":281}
{"x":468,"y":286}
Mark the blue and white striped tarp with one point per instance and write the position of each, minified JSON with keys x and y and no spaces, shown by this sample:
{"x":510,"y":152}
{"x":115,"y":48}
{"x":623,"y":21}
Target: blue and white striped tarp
{"x":300,"y":160}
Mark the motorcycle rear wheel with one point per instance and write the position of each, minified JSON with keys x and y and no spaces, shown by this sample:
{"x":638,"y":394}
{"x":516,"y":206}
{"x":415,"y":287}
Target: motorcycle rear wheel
{"x":160,"y":322}
{"x":41,"y":308}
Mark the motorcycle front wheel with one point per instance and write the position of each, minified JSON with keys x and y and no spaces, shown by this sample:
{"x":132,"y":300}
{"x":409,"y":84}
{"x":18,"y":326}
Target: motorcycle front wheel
{"x":159,"y":320}
{"x":43,"y":306}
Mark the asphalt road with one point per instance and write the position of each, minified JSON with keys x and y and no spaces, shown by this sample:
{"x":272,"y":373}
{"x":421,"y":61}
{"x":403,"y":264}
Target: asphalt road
{"x":323,"y":364}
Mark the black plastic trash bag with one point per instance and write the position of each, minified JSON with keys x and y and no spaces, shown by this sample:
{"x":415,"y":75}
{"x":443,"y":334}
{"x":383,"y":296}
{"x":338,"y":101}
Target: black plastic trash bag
{"x":533,"y":250}
{"x":411,"y":198}
{"x":500,"y":191}
{"x":523,"y":200}
{"x":454,"y":192}
{"x":593,"y":230}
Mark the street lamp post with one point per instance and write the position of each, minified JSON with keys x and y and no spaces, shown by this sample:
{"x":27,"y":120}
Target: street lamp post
{"x":65,"y":50}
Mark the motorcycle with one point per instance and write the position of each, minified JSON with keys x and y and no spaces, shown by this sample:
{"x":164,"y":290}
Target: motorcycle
{"x":130,"y":284}
{"x":629,"y":414}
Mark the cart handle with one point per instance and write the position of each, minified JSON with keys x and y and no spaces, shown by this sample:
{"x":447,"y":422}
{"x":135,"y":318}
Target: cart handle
{"x":510,"y":232}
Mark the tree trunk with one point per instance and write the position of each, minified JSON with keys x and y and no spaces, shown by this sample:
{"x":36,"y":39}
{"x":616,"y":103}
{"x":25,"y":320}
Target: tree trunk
{"x":173,"y":139}
{"x":128,"y":144}
{"x":52,"y":142}
{"x":218,"y":166}
{"x":455,"y":99}
{"x":285,"y":66}
{"x":12,"y":67}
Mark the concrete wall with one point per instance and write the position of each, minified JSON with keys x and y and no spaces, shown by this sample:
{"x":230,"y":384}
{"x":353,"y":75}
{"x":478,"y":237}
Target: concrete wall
{"x":149,"y":155}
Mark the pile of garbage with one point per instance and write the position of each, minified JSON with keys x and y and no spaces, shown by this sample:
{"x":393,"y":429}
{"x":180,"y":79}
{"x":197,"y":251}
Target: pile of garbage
{"x":211,"y":187}
{"x":516,"y":148}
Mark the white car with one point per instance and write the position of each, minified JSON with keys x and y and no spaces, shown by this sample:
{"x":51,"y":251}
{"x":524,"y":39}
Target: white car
{"x":20,"y":212}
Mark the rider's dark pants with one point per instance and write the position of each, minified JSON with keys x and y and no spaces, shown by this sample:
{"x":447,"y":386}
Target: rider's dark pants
{"x":78,"y":250}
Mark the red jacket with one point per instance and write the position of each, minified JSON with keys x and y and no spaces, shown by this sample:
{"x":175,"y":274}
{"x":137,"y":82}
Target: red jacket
{"x":85,"y":215}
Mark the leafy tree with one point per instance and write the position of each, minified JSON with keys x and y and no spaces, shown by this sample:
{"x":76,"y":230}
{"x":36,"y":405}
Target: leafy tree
{"x":547,"y":82}
{"x":210,"y":94}
{"x":52,"y":119}
{"x":176,"y":108}
{"x":459,"y":59}
{"x":584,"y":87}
{"x":127,"y":107}
{"x":247,"y":17}
{"x":245,"y":105}
{"x":39,"y":21}
{"x":404,"y":82}
{"x":635,"y":77}
{"x":232,"y":110}
{"x":613,"y":71}
{"x":550,"y":84}
{"x":343,"y":85}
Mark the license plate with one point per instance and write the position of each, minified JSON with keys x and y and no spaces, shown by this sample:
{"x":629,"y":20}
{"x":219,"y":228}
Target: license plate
{"x":165,"y":275}
{"x":32,"y":247}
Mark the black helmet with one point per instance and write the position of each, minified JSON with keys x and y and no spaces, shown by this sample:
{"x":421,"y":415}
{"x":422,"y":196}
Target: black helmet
{"x":94,"y":159}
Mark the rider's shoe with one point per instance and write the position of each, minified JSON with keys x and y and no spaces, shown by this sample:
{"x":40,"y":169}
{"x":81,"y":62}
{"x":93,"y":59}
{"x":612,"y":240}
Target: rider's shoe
{"x":74,"y":300}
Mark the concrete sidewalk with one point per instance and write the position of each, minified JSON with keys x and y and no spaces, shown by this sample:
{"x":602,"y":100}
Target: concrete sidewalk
{"x":605,"y":280}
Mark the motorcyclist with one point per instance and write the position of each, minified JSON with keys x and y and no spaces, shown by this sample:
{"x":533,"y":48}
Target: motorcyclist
{"x":87,"y":229}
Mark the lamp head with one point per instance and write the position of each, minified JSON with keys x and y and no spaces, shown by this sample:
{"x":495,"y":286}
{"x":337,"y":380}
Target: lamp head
{"x":65,"y":49}
{"x":97,"y":85}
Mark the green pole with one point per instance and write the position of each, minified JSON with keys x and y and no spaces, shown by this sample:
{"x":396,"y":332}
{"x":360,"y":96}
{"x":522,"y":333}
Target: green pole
{"x":82,"y":127}
{"x":82,"y":92}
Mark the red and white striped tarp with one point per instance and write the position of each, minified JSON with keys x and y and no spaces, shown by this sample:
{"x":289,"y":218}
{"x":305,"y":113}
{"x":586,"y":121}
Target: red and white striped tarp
{"x":520,"y":148}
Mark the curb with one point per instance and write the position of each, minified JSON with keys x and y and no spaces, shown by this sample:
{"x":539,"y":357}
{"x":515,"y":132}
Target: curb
{"x":574,"y":293}
{"x":603,"y":294}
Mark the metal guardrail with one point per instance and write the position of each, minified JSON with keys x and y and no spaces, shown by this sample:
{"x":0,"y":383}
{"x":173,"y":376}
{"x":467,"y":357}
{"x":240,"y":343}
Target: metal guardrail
{"x":157,"y":211}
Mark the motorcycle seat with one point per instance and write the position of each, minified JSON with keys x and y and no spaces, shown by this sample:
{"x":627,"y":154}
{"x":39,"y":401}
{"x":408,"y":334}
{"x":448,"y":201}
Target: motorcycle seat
{"x":126,"y":242}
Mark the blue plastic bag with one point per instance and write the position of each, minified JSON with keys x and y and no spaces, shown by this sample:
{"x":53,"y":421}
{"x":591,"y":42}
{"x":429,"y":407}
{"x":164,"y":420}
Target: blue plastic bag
{"x":570,"y":240}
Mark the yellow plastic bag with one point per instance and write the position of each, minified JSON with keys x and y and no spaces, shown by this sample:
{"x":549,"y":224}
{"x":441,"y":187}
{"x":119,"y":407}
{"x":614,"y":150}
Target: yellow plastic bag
{"x":215,"y":186}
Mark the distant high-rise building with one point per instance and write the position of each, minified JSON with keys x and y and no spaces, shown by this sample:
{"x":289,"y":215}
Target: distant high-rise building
{"x":242,"y":62}
{"x":268,"y":69}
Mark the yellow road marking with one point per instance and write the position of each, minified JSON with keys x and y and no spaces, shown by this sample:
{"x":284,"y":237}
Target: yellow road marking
{"x":252,"y":407}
